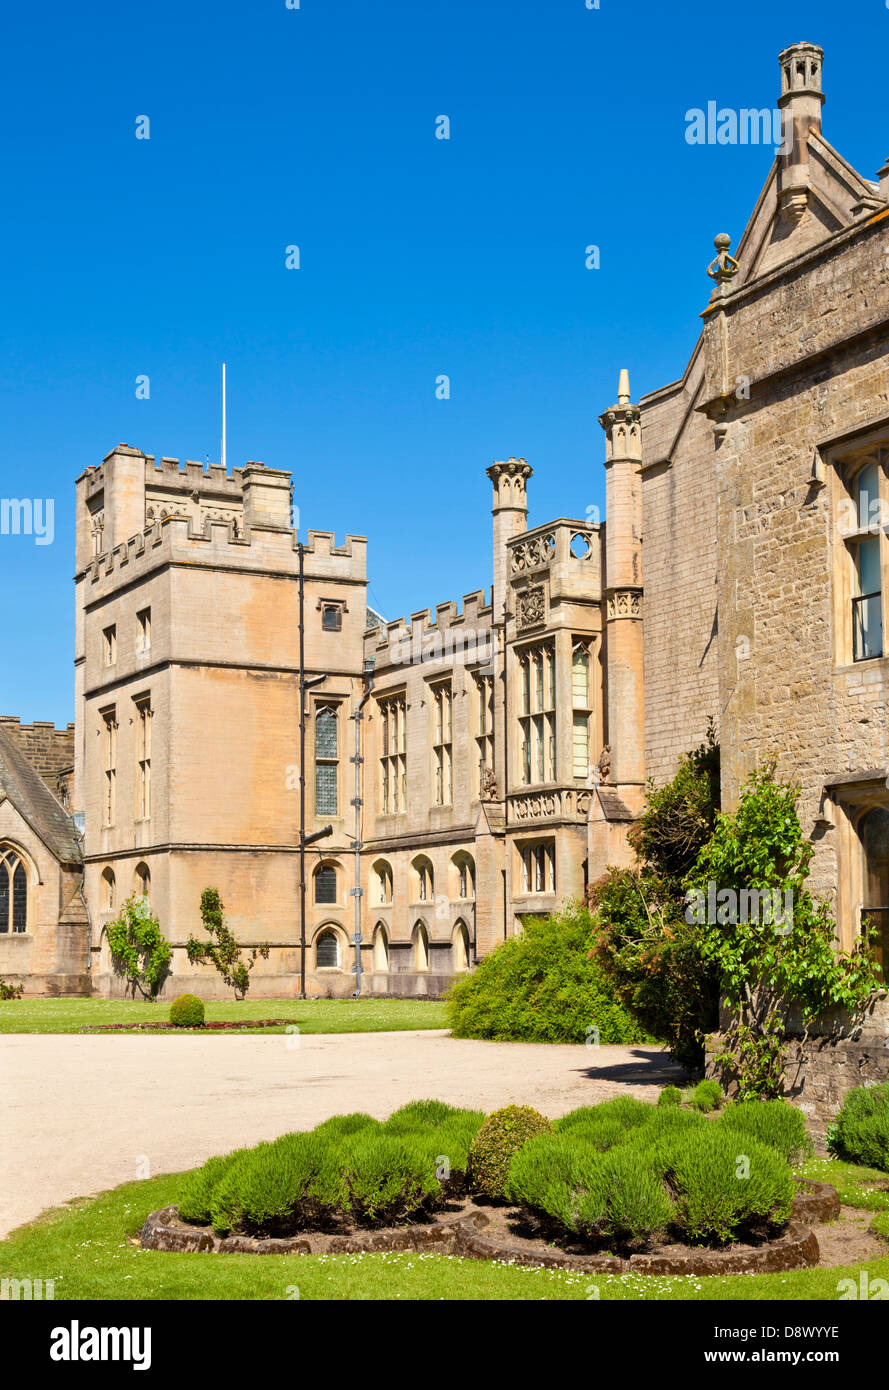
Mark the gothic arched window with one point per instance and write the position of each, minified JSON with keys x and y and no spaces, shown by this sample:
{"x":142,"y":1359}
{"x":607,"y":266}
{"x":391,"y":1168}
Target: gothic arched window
{"x":13,"y":891}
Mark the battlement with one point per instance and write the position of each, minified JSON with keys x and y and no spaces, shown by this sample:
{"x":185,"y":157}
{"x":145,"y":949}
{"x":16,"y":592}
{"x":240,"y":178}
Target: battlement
{"x":451,"y":635}
{"x":224,"y":544}
{"x":49,"y":750}
{"x":192,"y":476}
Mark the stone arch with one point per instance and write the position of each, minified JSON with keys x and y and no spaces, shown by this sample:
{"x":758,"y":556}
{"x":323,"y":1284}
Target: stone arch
{"x":462,"y":876}
{"x":380,"y":949}
{"x":420,"y":940}
{"x":383,"y":883}
{"x":16,"y":880}
{"x":461,"y":948}
{"x":423,"y":875}
{"x":107,"y":890}
{"x":329,"y":947}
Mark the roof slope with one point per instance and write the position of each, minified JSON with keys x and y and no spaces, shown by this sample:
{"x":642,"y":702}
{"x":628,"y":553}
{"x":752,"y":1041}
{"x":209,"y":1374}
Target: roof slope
{"x":35,"y":803}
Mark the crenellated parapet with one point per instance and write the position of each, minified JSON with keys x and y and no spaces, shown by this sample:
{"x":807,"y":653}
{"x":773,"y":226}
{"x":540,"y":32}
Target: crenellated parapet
{"x":452,"y":634}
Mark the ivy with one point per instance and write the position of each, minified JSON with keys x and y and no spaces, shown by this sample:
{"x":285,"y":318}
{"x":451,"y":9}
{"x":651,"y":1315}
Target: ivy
{"x":138,"y":948}
{"x":222,"y":950}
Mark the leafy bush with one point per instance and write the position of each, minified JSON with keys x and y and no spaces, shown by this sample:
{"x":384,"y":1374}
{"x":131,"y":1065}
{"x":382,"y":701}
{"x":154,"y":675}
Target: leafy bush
{"x":196,"y":1192}
{"x":678,"y":819}
{"x":776,"y":1123}
{"x":293,"y":1183}
{"x":418,"y":1116}
{"x":222,"y":950}
{"x":598,"y":1196}
{"x":860,"y":1132}
{"x":187,"y":1011}
{"x":8,"y":991}
{"x":340,"y":1127}
{"x":761,"y":848}
{"x":707,"y":1096}
{"x":497,"y":1141}
{"x":389,"y":1178}
{"x":542,"y":986}
{"x":670,"y":1095}
{"x":726,"y":1182}
{"x":138,"y":948}
{"x":654,"y":959}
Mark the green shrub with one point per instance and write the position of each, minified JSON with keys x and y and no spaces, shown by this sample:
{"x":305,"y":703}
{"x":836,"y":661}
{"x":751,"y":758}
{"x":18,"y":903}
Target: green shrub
{"x":598,"y":1196}
{"x":499,"y":1138}
{"x":187,"y":1011}
{"x":389,"y":1178}
{"x":294,"y":1183}
{"x":725,"y":1182}
{"x":450,"y":1145}
{"x":418,"y":1116}
{"x":776,"y":1123}
{"x":707,"y":1096}
{"x":601,"y":1134}
{"x":340,"y":1127}
{"x":8,"y":991}
{"x":198,"y":1187}
{"x":670,"y":1095}
{"x":542,"y":986}
{"x":860,"y":1132}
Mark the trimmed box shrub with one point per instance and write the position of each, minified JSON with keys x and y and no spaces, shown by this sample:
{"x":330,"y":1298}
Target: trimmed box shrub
{"x":187,"y":1011}
{"x":860,"y":1132}
{"x":776,"y":1123}
{"x":707,"y":1096}
{"x":497,"y":1141}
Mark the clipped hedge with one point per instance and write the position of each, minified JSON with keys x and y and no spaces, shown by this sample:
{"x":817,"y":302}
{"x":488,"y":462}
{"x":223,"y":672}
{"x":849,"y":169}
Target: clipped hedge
{"x":187,"y":1011}
{"x":499,"y":1139}
{"x":542,"y":986}
{"x":860,"y":1132}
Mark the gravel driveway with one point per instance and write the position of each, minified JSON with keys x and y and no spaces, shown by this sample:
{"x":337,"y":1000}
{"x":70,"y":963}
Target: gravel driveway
{"x":82,"y":1114}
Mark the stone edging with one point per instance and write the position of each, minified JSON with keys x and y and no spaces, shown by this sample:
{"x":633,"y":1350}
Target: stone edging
{"x":466,"y":1235}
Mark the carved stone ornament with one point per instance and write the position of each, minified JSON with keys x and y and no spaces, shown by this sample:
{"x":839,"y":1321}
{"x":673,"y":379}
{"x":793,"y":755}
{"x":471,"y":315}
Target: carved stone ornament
{"x":625,"y":603}
{"x":531,"y":606}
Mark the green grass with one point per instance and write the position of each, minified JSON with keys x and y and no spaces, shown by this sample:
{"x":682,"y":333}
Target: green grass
{"x":90,"y":1249}
{"x":311,"y":1015}
{"x":865,"y":1188}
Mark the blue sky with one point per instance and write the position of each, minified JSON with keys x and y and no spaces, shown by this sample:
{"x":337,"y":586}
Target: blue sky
{"x":418,"y":257}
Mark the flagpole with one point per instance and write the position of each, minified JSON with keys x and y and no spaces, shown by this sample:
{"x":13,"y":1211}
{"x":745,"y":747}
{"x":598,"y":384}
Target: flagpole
{"x":223,"y":416}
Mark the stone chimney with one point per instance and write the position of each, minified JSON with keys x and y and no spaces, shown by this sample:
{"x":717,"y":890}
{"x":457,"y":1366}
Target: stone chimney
{"x":510,"y":512}
{"x":801,"y":101}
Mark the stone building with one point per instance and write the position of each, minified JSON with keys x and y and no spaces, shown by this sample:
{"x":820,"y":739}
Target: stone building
{"x":482,"y":764}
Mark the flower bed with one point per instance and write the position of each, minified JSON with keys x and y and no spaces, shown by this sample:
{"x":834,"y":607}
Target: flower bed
{"x":623,"y":1180}
{"x":166,"y":1027}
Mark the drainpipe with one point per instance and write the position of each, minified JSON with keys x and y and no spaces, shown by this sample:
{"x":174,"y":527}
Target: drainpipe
{"x":357,"y":891}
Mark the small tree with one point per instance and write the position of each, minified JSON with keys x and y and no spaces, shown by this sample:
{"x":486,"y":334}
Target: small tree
{"x":768,"y":959}
{"x":138,"y":948}
{"x":222,"y":950}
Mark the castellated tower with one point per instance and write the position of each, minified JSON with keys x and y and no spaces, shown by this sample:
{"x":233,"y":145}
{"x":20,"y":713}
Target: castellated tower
{"x":623,"y":595}
{"x":188,"y":706}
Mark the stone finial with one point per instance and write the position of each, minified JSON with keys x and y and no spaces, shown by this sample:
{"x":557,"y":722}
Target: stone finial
{"x":724,"y":268}
{"x":623,"y":387}
{"x":510,"y":478}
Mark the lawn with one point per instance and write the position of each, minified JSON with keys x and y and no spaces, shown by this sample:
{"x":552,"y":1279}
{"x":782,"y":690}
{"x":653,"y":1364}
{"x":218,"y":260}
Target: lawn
{"x":90,"y":1249}
{"x":310,"y":1015}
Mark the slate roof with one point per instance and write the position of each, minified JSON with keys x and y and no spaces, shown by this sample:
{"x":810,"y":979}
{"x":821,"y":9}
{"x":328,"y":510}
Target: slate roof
{"x":35,"y":803}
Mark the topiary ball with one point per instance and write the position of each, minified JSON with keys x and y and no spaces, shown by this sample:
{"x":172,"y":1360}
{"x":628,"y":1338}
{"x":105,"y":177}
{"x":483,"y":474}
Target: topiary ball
{"x":187,"y":1011}
{"x":496,"y":1144}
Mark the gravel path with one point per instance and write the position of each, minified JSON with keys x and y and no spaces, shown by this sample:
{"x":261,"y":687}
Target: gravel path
{"x":79,"y":1114}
